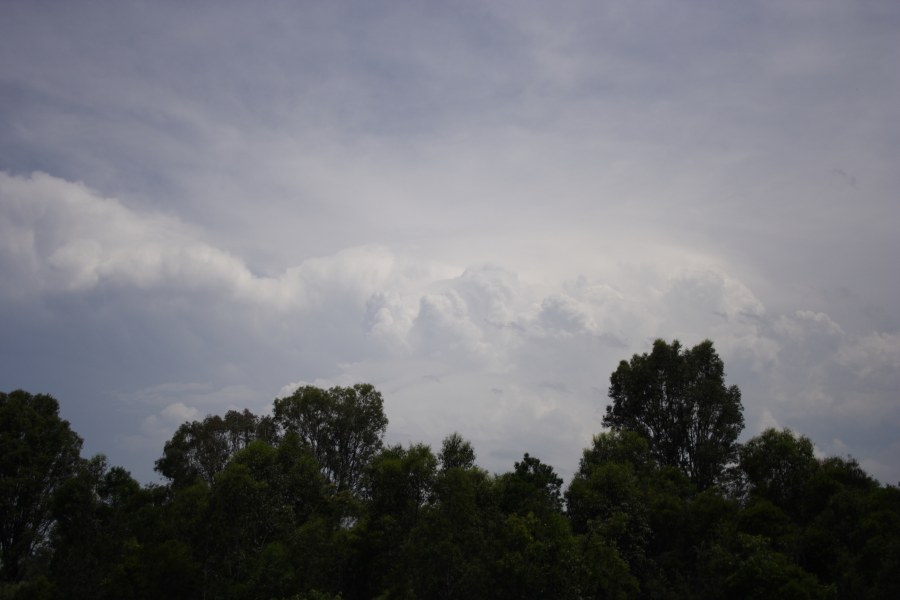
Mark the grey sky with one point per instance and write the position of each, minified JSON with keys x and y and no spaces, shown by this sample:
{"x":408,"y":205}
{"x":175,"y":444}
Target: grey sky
{"x":480,"y":207}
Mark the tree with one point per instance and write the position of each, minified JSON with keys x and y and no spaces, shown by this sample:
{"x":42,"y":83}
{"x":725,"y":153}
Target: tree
{"x":456,"y":452}
{"x":531,"y":487}
{"x":93,"y":512}
{"x":746,"y":566}
{"x":398,"y":486}
{"x":451,"y":542}
{"x":607,"y":495}
{"x":536,"y":555}
{"x":38,"y":452}
{"x":200,"y":449}
{"x":260,"y":504}
{"x":342,"y":426}
{"x":677,"y":399}
{"x":841,"y":523}
{"x":398,"y":482}
{"x":776,"y":466}
{"x":247,"y":514}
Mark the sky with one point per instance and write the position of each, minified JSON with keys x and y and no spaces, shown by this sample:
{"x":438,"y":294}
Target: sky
{"x":480,"y":207}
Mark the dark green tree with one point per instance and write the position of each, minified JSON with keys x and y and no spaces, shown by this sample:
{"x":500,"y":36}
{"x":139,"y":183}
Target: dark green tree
{"x":607,"y":496}
{"x":93,"y":523}
{"x":38,"y":453}
{"x":677,"y":399}
{"x":450,"y":546}
{"x":248,"y":518}
{"x":397,"y":486}
{"x":342,"y":426}
{"x":258,"y":536}
{"x":456,"y":453}
{"x":638,"y":522}
{"x":536,"y":555}
{"x":532,"y":487}
{"x":739,"y":565}
{"x":777,"y":466}
{"x":838,"y":505}
{"x":200,"y":449}
{"x":398,"y":482}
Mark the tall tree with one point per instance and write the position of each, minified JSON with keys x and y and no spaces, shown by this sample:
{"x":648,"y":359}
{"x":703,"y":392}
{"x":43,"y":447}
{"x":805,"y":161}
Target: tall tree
{"x":38,"y":452}
{"x":343,"y":426}
{"x":677,"y":399}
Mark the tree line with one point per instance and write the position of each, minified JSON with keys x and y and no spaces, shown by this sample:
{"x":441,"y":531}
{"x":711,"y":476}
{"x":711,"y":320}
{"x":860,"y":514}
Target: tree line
{"x":309,"y":503}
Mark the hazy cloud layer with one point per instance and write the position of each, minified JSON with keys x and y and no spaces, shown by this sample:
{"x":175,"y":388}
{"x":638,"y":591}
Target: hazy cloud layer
{"x":481,"y":208}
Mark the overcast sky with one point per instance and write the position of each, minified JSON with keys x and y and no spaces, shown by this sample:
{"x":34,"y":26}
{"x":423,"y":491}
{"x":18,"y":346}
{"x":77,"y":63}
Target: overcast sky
{"x":478,"y":206}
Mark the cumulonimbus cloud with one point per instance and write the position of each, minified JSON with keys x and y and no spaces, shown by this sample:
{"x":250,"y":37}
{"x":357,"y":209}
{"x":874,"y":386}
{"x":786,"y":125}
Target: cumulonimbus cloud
{"x":517,"y":365}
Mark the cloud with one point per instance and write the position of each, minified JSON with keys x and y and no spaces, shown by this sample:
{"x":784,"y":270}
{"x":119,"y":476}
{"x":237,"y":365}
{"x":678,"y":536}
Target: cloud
{"x":874,"y":354}
{"x":480,"y":346}
{"x":62,"y":237}
{"x":66,"y":238}
{"x":564,"y":315}
{"x":480,"y":208}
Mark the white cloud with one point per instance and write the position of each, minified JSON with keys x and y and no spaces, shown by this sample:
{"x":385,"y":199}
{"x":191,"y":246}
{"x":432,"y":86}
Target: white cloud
{"x":72,"y":239}
{"x":60,"y":236}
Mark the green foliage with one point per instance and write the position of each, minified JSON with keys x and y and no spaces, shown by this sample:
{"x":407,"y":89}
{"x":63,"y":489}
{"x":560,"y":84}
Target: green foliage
{"x":536,"y":553}
{"x":852,"y":531}
{"x":200,"y":449}
{"x":343,"y":427}
{"x":310,"y":505}
{"x":746,"y":566}
{"x":601,"y":570}
{"x":532,"y":487}
{"x":456,"y":453}
{"x":608,"y":482}
{"x":535,"y":557}
{"x":678,"y":401}
{"x":398,"y":486}
{"x":38,"y":454}
{"x":92,"y":511}
{"x":607,"y":506}
{"x":451,"y":542}
{"x":777,"y":466}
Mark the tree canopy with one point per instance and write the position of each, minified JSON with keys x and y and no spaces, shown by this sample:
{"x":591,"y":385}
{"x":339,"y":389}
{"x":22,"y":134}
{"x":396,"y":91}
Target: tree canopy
{"x":38,"y":453}
{"x":310,"y":504}
{"x":677,"y":399}
{"x":342,"y":426}
{"x":200,"y":449}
